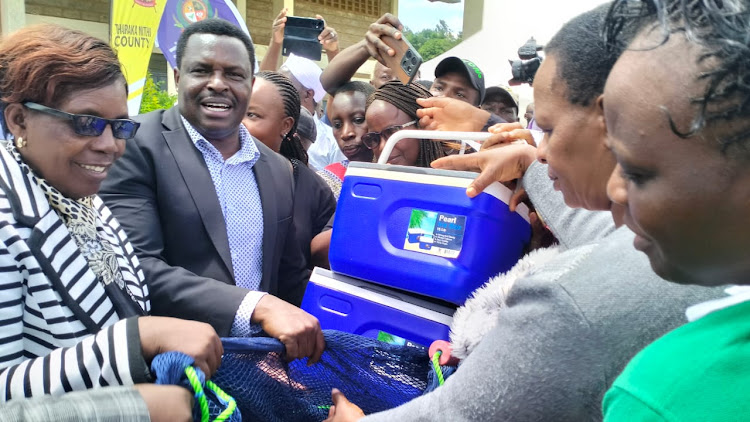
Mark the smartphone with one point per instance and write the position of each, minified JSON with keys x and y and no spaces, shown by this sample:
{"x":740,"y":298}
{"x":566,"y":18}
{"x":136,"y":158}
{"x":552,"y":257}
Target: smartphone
{"x":301,"y":37}
{"x":405,"y":63}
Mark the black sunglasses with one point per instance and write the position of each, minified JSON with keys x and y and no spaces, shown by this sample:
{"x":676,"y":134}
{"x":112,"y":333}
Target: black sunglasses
{"x":86,"y":125}
{"x":372,"y":139}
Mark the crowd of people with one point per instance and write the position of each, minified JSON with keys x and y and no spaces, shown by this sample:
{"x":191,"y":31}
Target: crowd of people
{"x":123,"y":237}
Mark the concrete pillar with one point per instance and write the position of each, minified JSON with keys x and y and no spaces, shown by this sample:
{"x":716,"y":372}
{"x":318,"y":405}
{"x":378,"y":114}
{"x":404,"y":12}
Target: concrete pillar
{"x":473,"y":17}
{"x":242,"y":8}
{"x":280,"y":4}
{"x":12,"y":15}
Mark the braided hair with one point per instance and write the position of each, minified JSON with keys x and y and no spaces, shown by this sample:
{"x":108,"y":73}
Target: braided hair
{"x":404,"y":98}
{"x":291,"y":147}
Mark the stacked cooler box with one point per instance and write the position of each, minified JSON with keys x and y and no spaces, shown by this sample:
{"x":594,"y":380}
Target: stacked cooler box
{"x":407,"y":246}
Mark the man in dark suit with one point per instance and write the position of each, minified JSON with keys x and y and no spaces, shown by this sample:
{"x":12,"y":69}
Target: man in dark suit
{"x":208,"y":208}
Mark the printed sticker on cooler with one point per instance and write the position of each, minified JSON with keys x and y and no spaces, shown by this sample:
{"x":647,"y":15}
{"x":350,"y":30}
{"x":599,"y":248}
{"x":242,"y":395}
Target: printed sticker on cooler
{"x":435,"y":233}
{"x":396,"y":340}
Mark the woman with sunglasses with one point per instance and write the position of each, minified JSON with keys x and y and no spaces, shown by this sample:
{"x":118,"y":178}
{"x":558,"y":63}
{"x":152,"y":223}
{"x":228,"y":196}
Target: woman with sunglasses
{"x":73,"y":302}
{"x":391,"y":108}
{"x":272,"y":118}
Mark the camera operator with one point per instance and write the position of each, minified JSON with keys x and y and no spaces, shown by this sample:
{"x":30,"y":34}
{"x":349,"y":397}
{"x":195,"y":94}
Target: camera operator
{"x":524,"y":70}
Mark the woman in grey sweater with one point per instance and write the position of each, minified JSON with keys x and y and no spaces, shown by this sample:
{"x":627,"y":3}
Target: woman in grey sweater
{"x":565,"y":321}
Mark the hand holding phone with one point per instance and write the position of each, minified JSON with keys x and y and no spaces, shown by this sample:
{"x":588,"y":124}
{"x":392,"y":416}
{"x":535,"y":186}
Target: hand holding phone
{"x":328,"y":38}
{"x":277,"y":29}
{"x":405,"y":63}
{"x":301,"y":37}
{"x":386,"y":25}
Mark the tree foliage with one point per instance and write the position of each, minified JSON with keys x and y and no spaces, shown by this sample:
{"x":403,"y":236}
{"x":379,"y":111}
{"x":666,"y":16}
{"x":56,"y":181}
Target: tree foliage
{"x":155,"y":97}
{"x":431,"y":43}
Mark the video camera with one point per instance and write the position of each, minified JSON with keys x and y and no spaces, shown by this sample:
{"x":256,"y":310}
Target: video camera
{"x":524,"y":70}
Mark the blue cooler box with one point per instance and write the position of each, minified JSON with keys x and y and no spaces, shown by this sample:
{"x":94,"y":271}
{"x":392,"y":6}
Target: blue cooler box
{"x":415,"y":229}
{"x":358,"y":307}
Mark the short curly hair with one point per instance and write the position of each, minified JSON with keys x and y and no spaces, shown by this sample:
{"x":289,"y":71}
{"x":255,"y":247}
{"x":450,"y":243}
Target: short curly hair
{"x":721,"y":28}
{"x":214,"y":26}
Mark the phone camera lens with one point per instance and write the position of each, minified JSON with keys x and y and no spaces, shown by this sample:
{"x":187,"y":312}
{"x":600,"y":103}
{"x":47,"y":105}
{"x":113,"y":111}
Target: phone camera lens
{"x":414,"y":61}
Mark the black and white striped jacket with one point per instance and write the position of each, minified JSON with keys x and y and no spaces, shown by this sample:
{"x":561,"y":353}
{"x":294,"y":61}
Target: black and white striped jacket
{"x":59,"y":331}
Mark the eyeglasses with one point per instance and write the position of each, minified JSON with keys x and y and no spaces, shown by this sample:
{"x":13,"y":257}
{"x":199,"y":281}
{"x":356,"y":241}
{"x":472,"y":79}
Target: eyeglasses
{"x":86,"y":125}
{"x":372,"y":139}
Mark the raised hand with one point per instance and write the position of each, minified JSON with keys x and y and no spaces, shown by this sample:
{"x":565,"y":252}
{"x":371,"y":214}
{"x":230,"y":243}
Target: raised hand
{"x":328,"y":38}
{"x":386,"y":25}
{"x":277,"y":29}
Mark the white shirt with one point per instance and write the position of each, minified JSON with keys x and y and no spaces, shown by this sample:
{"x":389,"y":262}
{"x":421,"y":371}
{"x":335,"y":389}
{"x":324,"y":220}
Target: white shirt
{"x":325,"y":150}
{"x":737,"y":295}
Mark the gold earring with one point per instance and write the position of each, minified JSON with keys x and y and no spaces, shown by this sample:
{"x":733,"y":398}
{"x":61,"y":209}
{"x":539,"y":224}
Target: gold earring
{"x":20,"y":142}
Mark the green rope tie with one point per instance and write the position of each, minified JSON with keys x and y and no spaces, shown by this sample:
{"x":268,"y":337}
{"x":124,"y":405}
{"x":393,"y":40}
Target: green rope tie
{"x":201,"y":396}
{"x":436,"y":367}
{"x":231,"y":403}
{"x":198,"y":388}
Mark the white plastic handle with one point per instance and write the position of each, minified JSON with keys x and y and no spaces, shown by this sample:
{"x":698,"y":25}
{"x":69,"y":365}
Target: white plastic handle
{"x":437,"y":135}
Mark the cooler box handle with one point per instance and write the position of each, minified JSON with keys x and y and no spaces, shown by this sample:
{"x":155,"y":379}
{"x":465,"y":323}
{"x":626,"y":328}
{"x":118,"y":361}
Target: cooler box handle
{"x":473,"y":139}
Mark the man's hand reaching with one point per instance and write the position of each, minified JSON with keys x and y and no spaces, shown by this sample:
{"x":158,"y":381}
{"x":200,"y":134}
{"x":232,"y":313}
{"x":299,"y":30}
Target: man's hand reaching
{"x":299,"y":331}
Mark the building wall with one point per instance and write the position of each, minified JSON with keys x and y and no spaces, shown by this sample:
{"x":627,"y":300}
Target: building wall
{"x":260,"y":15}
{"x":350,"y":18}
{"x":97,"y":29}
{"x":88,"y":10}
{"x":473,"y":17}
{"x":12,"y":16}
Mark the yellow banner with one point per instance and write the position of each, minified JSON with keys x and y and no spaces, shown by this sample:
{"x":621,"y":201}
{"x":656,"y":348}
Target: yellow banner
{"x":134,"y":25}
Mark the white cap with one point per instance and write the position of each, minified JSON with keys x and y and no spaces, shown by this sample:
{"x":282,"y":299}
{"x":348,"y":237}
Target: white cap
{"x":307,"y":73}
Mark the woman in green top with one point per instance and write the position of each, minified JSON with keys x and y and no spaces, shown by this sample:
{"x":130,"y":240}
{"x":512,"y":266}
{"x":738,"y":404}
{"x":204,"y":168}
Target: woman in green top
{"x":677,"y":107}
